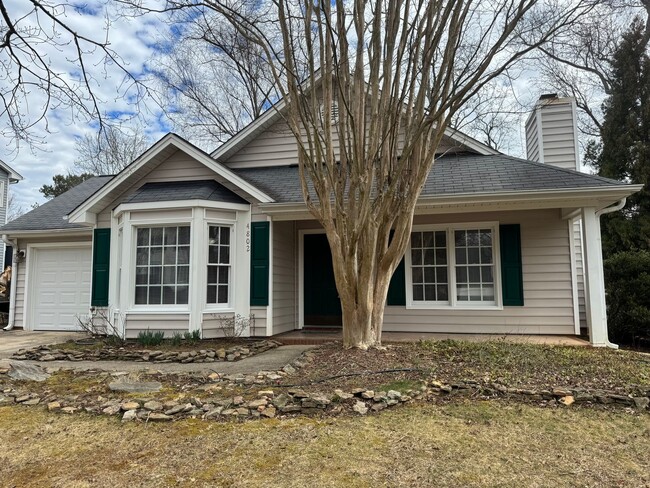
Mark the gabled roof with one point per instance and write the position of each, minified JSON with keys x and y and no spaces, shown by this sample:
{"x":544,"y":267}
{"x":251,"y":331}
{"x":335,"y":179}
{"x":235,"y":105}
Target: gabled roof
{"x":51,"y":215}
{"x":14,"y":176}
{"x":452,"y":175}
{"x":150,"y":159}
{"x":208,"y":190}
{"x":275,"y":114}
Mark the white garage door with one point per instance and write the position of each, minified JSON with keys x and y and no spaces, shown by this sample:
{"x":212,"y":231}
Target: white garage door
{"x":60,"y":287}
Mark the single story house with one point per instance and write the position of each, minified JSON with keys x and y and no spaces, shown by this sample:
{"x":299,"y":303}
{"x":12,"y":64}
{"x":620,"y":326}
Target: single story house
{"x":181,"y":239}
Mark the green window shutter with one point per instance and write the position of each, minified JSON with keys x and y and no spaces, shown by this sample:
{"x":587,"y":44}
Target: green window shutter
{"x":101,"y":264}
{"x":512,"y":284}
{"x":397,"y":287}
{"x":260,"y":264}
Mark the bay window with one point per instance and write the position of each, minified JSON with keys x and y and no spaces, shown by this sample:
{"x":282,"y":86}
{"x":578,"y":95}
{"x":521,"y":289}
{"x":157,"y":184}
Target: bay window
{"x":219,"y":260}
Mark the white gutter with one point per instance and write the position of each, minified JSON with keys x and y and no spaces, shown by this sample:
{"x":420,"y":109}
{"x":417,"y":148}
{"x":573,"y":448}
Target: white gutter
{"x":614,"y":208}
{"x":14,"y":273}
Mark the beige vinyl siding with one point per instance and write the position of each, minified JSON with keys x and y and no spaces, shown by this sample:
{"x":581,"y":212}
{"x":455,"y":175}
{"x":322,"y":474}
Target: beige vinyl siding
{"x":178,"y":167}
{"x":212,"y":325}
{"x":277,"y":146}
{"x":260,"y":314}
{"x":284,"y":277}
{"x":169,"y":323}
{"x":20,"y":275}
{"x":557,"y":134}
{"x":548,"y":300}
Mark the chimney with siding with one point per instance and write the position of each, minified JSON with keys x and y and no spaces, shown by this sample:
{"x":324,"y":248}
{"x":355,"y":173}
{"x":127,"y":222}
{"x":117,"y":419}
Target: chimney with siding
{"x":552,"y":138}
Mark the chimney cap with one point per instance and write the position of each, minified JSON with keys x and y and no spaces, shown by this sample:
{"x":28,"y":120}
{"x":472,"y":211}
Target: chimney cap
{"x":547,"y":96}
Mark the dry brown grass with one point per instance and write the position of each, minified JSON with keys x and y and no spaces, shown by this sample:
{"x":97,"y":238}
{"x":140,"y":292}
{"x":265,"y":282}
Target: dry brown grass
{"x":460,"y":444}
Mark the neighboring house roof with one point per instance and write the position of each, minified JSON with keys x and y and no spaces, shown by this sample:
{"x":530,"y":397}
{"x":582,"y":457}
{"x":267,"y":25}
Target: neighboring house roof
{"x":451,"y":174}
{"x":51,"y":215}
{"x":184,"y":190}
{"x":14,"y":176}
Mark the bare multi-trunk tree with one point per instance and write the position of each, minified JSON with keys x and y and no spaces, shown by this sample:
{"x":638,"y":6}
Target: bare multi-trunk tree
{"x":109,"y":151}
{"x":369,"y":89}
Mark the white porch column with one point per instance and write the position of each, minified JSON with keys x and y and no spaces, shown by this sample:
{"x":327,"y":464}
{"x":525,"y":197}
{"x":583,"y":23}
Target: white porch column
{"x":594,"y":279}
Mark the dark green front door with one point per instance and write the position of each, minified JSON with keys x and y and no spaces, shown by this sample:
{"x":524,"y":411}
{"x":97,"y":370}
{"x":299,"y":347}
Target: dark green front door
{"x":322,"y":305}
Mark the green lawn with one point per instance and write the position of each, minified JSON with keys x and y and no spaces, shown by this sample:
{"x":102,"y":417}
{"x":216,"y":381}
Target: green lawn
{"x":464,"y":443}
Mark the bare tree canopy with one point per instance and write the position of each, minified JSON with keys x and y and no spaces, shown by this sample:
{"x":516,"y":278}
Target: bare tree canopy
{"x":109,"y":151}
{"x":45,"y":61}
{"x":215,"y":80}
{"x":578,"y":62}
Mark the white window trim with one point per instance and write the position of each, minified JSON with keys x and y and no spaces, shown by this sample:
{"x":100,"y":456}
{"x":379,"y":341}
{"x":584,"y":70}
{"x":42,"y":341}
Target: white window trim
{"x":3,"y":201}
{"x":220,"y":307}
{"x":453,"y":302}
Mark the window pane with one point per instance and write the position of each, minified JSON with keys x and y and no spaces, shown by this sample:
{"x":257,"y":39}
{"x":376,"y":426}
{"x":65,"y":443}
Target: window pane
{"x":472,"y":238}
{"x":474,"y":274}
{"x":486,"y":274}
{"x":143,"y":237}
{"x":141,"y":276}
{"x":416,"y":257}
{"x":461,"y":257}
{"x":213,"y":254}
{"x":140,"y":295}
{"x":170,"y":255}
{"x":462,"y":293}
{"x":488,"y":293}
{"x":182,"y":294}
{"x":169,"y":295}
{"x":222,"y":294}
{"x":169,"y":275}
{"x":473,"y":255}
{"x":441,"y":275}
{"x":223,"y":275}
{"x":461,"y":274}
{"x":428,"y":256}
{"x":155,"y":256}
{"x":213,"y":235}
{"x":441,"y":257}
{"x":183,"y":235}
{"x":155,"y":275}
{"x":212,"y":274}
{"x":154,"y":295}
{"x":224,"y":254}
{"x":183,"y":275}
{"x":142,"y":257}
{"x":225,"y":236}
{"x":156,"y":236}
{"x":170,"y":236}
{"x":427,"y":239}
{"x":183,"y":255}
{"x":443,"y":292}
{"x":417,"y":275}
{"x":212,"y":294}
{"x":475,"y":293}
{"x":416,"y":239}
{"x":418,"y":293}
{"x":486,"y":237}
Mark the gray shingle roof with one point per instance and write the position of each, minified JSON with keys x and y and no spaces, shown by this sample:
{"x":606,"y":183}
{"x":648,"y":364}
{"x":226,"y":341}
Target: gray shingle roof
{"x":51,"y":214}
{"x":452,"y":174}
{"x":183,"y":190}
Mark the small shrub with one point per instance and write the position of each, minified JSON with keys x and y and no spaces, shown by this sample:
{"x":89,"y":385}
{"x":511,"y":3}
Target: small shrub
{"x":176,"y":339}
{"x":234,"y":326}
{"x":194,"y":336}
{"x":627,"y":283}
{"x":148,"y":338}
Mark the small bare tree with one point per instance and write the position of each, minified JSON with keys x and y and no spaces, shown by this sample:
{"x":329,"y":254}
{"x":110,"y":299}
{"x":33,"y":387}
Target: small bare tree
{"x":370,"y":88}
{"x":110,"y":150}
{"x":14,"y":209}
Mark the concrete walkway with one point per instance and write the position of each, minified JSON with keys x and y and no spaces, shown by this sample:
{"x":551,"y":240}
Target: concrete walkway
{"x":271,"y":360}
{"x":11,"y":341}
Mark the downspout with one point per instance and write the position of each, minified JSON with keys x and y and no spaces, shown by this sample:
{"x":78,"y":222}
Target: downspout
{"x":14,"y":276}
{"x":614,"y":208}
